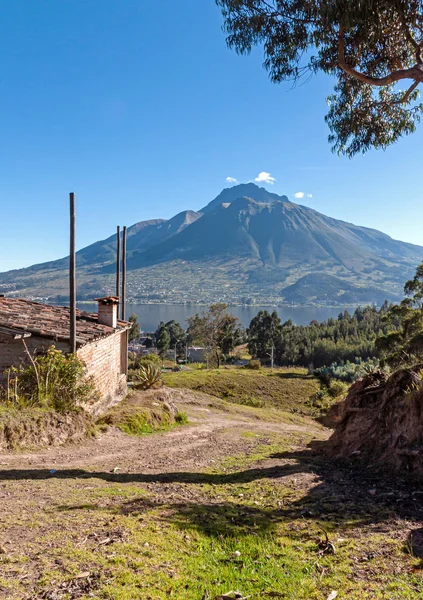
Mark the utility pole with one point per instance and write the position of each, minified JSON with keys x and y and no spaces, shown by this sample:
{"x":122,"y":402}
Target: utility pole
{"x":72,"y":275}
{"x":271,"y":354}
{"x":118,"y":262}
{"x":123,"y":297}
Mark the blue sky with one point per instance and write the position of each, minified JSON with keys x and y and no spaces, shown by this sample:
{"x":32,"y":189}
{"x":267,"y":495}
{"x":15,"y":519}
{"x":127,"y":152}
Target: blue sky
{"x":139,"y":107}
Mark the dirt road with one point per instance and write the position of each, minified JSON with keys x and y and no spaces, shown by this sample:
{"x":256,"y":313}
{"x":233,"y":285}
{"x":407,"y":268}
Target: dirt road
{"x":154,"y":517}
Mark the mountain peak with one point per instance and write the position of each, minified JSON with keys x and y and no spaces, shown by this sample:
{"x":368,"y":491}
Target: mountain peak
{"x":243,"y":190}
{"x":248,"y":242}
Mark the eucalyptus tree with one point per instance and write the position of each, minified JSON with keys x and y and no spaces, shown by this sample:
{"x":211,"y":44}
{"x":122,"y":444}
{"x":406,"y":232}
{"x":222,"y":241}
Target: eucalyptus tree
{"x":372,"y":47}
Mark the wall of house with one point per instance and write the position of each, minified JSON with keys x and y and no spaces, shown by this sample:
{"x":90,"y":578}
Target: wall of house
{"x":106,"y":361}
{"x":13,"y":353}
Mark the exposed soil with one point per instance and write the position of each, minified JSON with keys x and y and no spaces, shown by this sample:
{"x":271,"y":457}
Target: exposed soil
{"x":32,"y":428}
{"x":42,"y":494}
{"x":213,"y":433}
{"x":380,"y":423}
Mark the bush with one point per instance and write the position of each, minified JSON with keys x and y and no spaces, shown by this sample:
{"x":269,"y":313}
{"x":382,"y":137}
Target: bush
{"x":337,"y":388}
{"x":347,"y":372}
{"x":254,"y":364}
{"x":150,"y":359}
{"x":147,"y":376}
{"x":181,"y":418}
{"x":53,"y":380}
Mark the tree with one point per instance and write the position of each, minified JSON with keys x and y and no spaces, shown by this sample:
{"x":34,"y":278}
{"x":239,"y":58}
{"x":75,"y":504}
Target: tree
{"x":370,"y":46}
{"x":403,"y":344}
{"x":134,"y":332}
{"x":218,"y":330}
{"x":264,"y":334}
{"x":177,"y":335}
{"x":163,"y":342}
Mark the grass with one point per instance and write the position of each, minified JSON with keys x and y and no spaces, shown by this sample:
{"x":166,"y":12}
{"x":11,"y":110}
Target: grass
{"x":32,"y":427}
{"x":253,"y":522}
{"x":286,"y":389}
{"x":135,"y":419}
{"x":229,"y":529}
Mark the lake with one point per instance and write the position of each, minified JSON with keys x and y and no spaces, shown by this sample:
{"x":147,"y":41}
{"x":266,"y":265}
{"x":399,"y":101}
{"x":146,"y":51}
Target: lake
{"x":150,"y":315}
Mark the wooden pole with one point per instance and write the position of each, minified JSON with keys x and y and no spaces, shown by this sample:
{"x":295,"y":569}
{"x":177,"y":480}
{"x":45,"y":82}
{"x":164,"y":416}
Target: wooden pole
{"x":72,"y":275}
{"x":118,"y":262}
{"x":123,"y":296}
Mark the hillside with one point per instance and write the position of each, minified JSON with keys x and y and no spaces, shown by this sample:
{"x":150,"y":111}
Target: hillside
{"x":246,"y":245}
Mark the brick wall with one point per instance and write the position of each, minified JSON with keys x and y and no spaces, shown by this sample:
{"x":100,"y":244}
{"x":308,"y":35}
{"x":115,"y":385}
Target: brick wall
{"x":105,"y":360}
{"x":12,"y":352}
{"x":106,"y":363}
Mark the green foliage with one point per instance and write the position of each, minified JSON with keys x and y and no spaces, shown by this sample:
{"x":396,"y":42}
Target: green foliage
{"x":402,"y":345}
{"x":181,"y":418}
{"x":143,"y":418}
{"x":328,"y":395}
{"x":368,"y":45}
{"x":347,"y":338}
{"x":254,"y":364}
{"x":163,"y":342}
{"x":53,"y":380}
{"x":147,"y":375}
{"x":264,"y":333}
{"x":135,"y":331}
{"x":348,"y":372}
{"x":150,"y":359}
{"x":177,"y":335}
{"x":217,"y":330}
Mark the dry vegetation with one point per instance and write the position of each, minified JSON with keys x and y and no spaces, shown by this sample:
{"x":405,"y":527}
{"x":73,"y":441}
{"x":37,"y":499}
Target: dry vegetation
{"x":242,"y":499}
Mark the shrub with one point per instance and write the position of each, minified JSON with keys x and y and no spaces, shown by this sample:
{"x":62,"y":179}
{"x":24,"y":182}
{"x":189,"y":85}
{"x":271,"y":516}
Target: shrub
{"x":254,"y":364}
{"x":52,"y":380}
{"x":347,"y":372}
{"x":337,"y":388}
{"x":181,"y":418}
{"x":146,"y":376}
{"x":150,"y":359}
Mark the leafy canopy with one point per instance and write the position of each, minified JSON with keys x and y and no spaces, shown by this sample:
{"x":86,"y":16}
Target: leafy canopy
{"x":177,"y":335}
{"x":371,"y":47}
{"x":135,"y":331}
{"x":403,"y":345}
{"x":218,"y":330}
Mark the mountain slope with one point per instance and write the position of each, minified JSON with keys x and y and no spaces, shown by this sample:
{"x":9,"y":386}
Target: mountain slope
{"x":247,"y":243}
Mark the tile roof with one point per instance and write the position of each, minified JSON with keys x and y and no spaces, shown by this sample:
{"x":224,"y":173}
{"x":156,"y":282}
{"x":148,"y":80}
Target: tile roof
{"x":52,"y":322}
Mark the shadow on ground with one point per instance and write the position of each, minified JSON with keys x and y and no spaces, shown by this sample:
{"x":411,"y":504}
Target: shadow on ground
{"x":335,"y":493}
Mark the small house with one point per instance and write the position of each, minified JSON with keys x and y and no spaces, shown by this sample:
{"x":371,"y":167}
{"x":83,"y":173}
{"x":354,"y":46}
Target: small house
{"x":197,"y":354}
{"x":101,"y":341}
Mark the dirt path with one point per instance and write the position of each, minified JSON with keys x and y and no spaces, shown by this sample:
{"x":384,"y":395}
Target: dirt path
{"x":163,"y":516}
{"x":211,"y":435}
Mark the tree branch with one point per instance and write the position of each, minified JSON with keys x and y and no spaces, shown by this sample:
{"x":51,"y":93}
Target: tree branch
{"x":415,"y":72}
{"x":417,"y":47}
{"x":408,"y":93}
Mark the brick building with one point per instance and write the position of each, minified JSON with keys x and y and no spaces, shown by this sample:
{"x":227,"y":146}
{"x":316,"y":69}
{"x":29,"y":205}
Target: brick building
{"x":101,"y":341}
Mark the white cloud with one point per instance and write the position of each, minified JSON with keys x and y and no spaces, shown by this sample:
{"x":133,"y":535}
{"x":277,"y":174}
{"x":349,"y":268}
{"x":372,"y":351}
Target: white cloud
{"x":300,"y":195}
{"x":231,"y":180}
{"x":264,"y":177}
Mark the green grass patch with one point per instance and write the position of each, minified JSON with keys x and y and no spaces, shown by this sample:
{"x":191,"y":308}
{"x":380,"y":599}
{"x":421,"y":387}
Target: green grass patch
{"x":237,"y":528}
{"x":134,"y":419}
{"x":287,"y":389}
